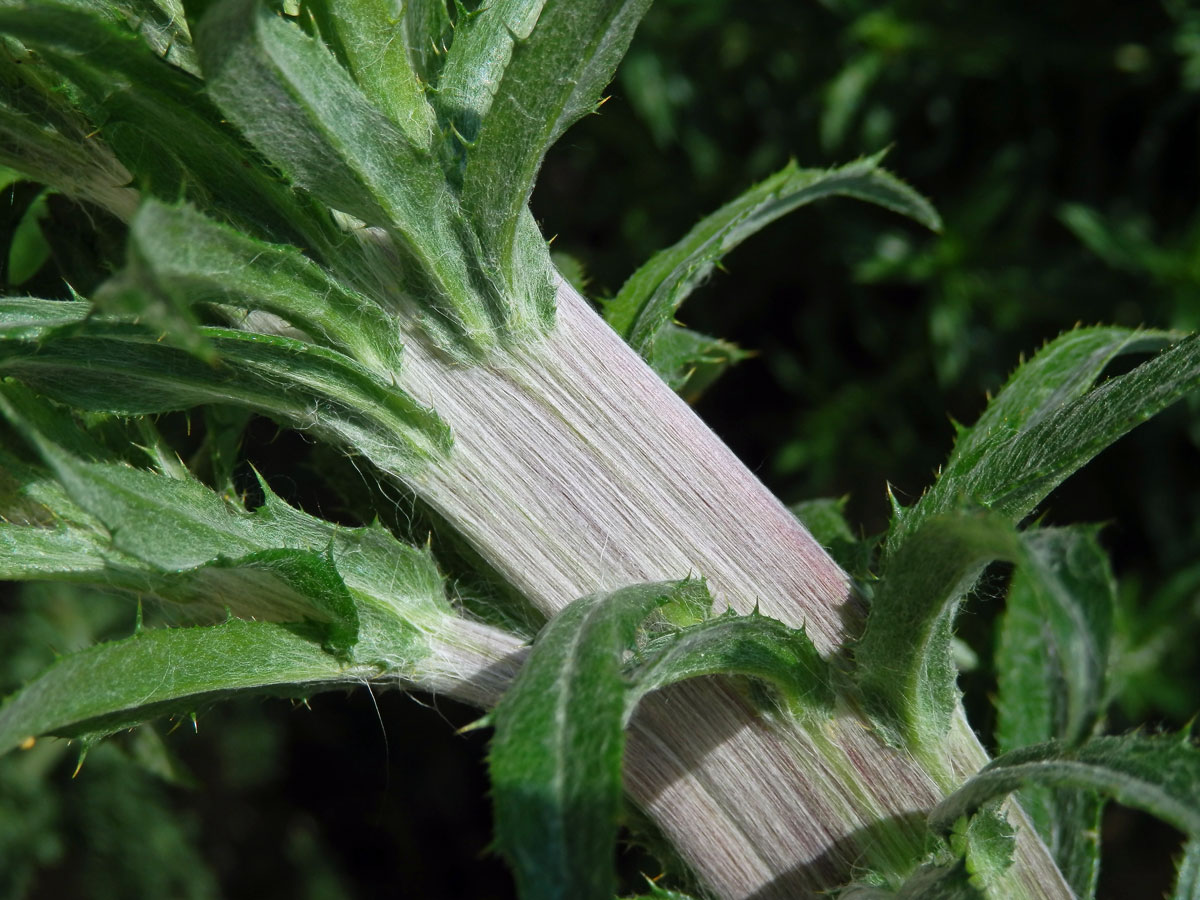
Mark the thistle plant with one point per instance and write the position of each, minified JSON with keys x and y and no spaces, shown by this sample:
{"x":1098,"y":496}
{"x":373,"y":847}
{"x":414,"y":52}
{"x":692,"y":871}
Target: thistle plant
{"x":324,"y":217}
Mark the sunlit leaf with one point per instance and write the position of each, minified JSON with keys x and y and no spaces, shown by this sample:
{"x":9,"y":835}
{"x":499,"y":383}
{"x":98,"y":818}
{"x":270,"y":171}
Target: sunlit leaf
{"x":167,"y":671}
{"x":1159,"y":774}
{"x":120,"y":368}
{"x":648,"y":300}
{"x":1049,"y":420}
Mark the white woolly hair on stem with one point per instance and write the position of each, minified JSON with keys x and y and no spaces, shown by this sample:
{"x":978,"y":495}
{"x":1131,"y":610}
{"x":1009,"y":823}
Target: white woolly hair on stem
{"x":576,"y":470}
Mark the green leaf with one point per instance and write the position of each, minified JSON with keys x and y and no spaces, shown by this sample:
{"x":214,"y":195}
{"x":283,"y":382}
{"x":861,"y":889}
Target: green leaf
{"x":218,"y":456}
{"x":648,"y":300}
{"x":689,"y":361}
{"x":1048,"y":421}
{"x":826,"y":520}
{"x":556,"y":755}
{"x":283,"y":585}
{"x":1051,"y":661}
{"x":29,"y":250}
{"x":730,"y":644}
{"x":289,"y":96}
{"x":1187,"y":881}
{"x":941,"y":883}
{"x":1159,"y":774}
{"x":30,"y":319}
{"x":155,"y":117}
{"x":660,"y":893}
{"x":474,"y":67}
{"x":428,"y":32}
{"x":1072,"y":833}
{"x":1122,"y":248}
{"x":197,"y":545}
{"x":369,"y":40}
{"x":44,"y":139}
{"x":903,"y":660}
{"x":179,"y":258}
{"x":1154,"y":636}
{"x":167,"y":671}
{"x":141,"y":531}
{"x":1054,"y":640}
{"x":554,"y":77}
{"x":985,"y":843}
{"x":930,"y":882}
{"x":120,"y":368}
{"x":1040,"y":429}
{"x":396,"y":576}
{"x":293,"y":101}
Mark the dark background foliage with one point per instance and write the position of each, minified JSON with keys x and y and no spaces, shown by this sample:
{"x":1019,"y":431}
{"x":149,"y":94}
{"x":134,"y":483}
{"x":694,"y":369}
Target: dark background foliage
{"x":1060,"y":143}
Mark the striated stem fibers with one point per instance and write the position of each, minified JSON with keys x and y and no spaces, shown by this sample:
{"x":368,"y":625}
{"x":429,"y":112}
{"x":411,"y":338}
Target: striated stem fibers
{"x":576,"y":470}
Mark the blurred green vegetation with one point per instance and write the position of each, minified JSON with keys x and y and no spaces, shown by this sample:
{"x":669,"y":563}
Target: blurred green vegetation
{"x":1060,"y":142}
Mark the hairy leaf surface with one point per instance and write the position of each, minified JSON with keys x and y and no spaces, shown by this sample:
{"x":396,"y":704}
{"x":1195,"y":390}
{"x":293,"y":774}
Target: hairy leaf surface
{"x":555,"y":76}
{"x":1049,"y":420}
{"x":1056,"y":632}
{"x":179,"y":258}
{"x":903,"y":659}
{"x":474,"y":67}
{"x":556,"y":757}
{"x":370,"y":42}
{"x":120,"y":368}
{"x":294,"y":102}
{"x":730,"y":644}
{"x":1187,"y":881}
{"x":689,"y":361}
{"x":648,"y":300}
{"x":1051,"y":661}
{"x":156,"y":118}
{"x":1159,"y":774}
{"x":166,"y":671}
